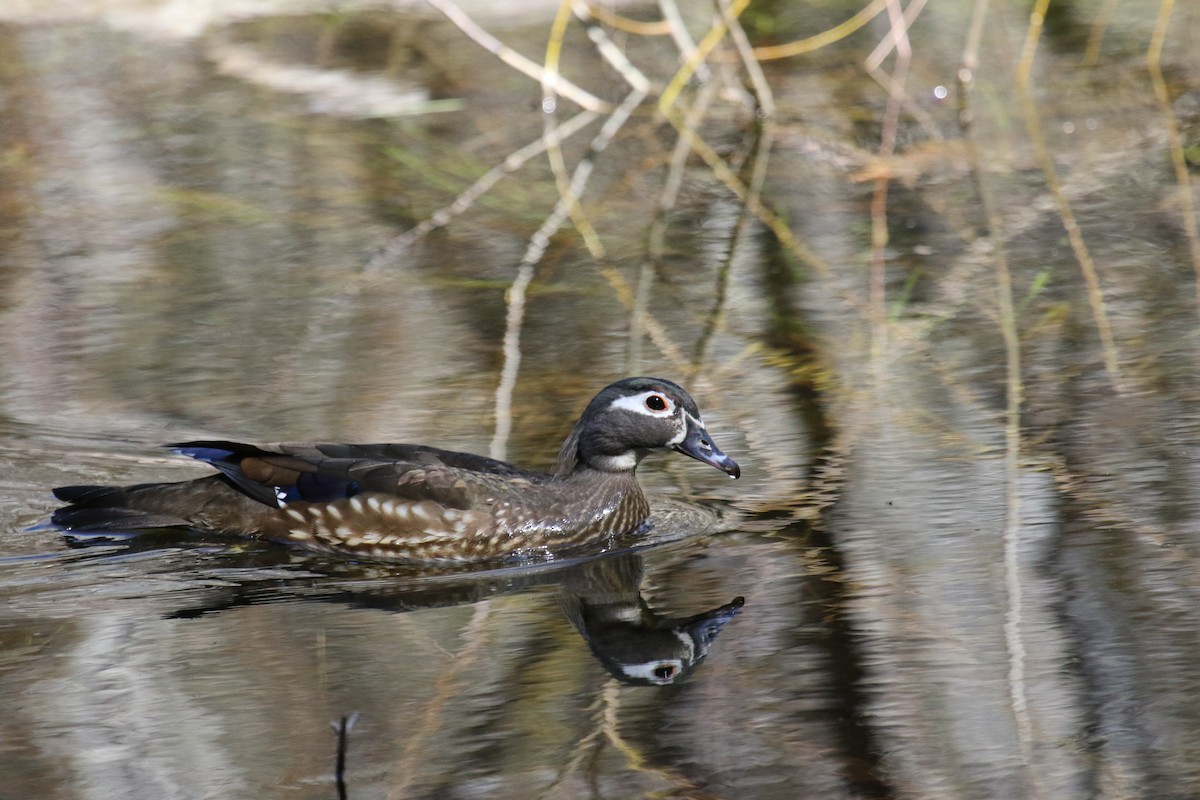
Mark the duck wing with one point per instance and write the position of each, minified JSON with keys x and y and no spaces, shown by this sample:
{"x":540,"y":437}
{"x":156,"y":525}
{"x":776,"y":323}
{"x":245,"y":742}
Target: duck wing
{"x":278,"y":474}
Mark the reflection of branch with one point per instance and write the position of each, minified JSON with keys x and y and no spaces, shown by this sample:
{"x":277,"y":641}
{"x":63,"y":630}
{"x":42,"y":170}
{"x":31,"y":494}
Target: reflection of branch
{"x":654,"y":330}
{"x":589,"y":743}
{"x":474,"y":638}
{"x":634,"y":26}
{"x":485,"y":182}
{"x":887,"y":146}
{"x":399,"y":244}
{"x":823,"y":38}
{"x":681,"y":37}
{"x":1187,"y":206}
{"x":514,"y":59}
{"x":1087,"y":266}
{"x":695,"y":60}
{"x":538,"y":243}
{"x":1014,"y":612}
{"x":624,"y":67}
{"x":760,"y":157}
{"x":1091,"y":54}
{"x":639,"y":300}
{"x":637,"y":760}
{"x":882,"y":50}
{"x":760,"y":210}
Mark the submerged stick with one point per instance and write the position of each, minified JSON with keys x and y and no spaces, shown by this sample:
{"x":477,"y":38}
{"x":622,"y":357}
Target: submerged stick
{"x":342,"y":729}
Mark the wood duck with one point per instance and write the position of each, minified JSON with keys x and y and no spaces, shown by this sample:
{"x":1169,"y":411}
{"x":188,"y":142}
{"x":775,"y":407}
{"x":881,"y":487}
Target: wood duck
{"x":416,"y":503}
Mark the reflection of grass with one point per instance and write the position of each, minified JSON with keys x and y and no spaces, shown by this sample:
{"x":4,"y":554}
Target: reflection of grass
{"x":441,"y":280}
{"x":453,"y":170}
{"x":215,"y":205}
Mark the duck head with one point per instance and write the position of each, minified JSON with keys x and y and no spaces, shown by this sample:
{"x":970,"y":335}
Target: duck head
{"x":634,"y":416}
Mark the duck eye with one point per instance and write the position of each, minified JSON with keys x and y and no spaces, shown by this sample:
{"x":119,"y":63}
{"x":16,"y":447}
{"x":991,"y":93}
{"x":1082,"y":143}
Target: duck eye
{"x":664,"y":672}
{"x":656,"y":402}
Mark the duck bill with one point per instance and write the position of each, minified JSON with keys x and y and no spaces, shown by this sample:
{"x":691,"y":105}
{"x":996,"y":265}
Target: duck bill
{"x":703,"y":628}
{"x":700,"y":446}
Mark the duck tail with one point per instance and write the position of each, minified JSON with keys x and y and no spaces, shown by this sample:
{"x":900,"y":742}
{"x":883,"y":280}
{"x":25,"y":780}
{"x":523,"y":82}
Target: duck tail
{"x":111,"y":509}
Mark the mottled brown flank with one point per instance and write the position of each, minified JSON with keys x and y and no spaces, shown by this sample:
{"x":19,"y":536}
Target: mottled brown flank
{"x":515,"y":515}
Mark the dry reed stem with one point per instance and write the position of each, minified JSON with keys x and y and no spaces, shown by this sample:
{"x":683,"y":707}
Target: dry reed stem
{"x":1187,"y":207}
{"x":1087,"y":266}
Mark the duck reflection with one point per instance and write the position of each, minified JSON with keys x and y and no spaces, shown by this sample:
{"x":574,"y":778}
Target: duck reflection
{"x":636,"y":645}
{"x":600,"y":596}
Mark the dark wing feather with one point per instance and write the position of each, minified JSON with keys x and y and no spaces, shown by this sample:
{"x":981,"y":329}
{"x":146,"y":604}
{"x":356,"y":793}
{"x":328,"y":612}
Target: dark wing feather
{"x":313,"y":473}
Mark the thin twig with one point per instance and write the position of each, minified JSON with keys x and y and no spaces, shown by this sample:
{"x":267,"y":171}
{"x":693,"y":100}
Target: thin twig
{"x":342,"y":729}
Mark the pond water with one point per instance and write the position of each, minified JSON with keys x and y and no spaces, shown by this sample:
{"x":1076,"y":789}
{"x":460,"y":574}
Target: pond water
{"x":963,"y":558}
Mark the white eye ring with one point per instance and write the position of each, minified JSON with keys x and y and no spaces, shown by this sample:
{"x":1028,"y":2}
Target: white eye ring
{"x":639,"y":403}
